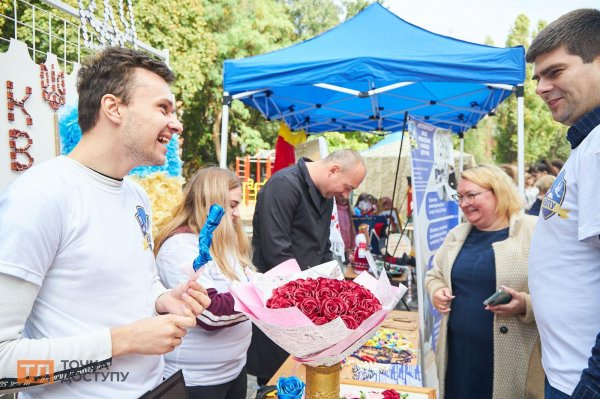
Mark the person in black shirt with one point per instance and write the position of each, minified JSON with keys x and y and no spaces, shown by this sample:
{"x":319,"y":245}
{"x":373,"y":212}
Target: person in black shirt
{"x":292,"y":220}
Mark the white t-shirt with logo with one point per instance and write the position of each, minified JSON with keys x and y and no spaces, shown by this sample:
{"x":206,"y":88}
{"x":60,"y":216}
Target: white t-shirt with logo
{"x":85,"y":239}
{"x":564,"y":266}
{"x":206,"y":357}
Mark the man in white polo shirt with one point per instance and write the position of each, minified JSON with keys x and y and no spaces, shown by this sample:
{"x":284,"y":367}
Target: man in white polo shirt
{"x":79,"y":292}
{"x":564,"y":263}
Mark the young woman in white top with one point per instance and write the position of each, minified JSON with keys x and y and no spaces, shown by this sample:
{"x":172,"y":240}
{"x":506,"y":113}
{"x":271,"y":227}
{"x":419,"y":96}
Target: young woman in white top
{"x":213,"y":355}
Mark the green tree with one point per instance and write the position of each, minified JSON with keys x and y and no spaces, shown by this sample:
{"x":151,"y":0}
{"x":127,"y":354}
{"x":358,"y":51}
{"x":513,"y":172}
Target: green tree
{"x":238,"y":29}
{"x":5,"y":23}
{"x":239,"y":34}
{"x":544,"y":138}
{"x":480,"y":141}
{"x":192,"y":53}
{"x":353,"y":7}
{"x":63,"y":40}
{"x":312,"y":17}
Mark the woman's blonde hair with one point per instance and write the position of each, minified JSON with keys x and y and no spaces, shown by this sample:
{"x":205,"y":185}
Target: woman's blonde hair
{"x":211,"y":185}
{"x":491,"y":177}
{"x":363,"y":226}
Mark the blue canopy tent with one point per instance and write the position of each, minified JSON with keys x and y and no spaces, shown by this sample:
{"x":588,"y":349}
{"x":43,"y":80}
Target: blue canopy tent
{"x":364,"y":74}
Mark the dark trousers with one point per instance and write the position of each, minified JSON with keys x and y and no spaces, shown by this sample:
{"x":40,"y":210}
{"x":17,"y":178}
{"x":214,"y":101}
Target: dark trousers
{"x":235,"y":389}
{"x":264,"y":356}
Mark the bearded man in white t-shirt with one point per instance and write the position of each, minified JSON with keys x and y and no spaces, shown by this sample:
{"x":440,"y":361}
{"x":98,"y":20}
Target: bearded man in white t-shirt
{"x":564,"y":261}
{"x":83,"y":312}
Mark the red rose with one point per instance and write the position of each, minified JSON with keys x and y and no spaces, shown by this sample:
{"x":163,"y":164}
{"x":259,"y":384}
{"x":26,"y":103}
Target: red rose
{"x":320,"y":320}
{"x":370,"y":305}
{"x":350,"y":322}
{"x":325,"y":292}
{"x":359,"y":315}
{"x":362,"y":292}
{"x":323,"y":299}
{"x":332,"y":308}
{"x":278,"y":302}
{"x":310,"y":307}
{"x":349,"y":298}
{"x":335,"y":285}
{"x":301,"y":293}
{"x":390,"y":394}
{"x":282,"y":292}
{"x":309,"y":283}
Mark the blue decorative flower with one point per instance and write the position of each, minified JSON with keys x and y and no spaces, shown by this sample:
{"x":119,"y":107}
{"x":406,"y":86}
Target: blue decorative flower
{"x":290,"y":388}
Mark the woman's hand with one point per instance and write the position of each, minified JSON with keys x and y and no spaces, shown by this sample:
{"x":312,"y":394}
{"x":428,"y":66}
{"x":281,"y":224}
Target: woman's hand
{"x":516,"y":306}
{"x":442,"y":299}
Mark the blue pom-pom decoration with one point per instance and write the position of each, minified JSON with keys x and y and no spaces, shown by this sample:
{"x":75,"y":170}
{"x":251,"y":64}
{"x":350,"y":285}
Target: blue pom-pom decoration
{"x":70,"y":134}
{"x":172,"y":165}
{"x":69,"y":130}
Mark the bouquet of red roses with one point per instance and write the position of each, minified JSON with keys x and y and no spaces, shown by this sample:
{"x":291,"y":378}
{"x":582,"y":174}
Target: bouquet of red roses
{"x":315,"y":315}
{"x":323,"y":299}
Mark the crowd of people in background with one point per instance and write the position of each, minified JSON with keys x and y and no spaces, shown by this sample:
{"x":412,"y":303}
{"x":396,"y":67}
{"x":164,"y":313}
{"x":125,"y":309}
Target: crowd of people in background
{"x":539,"y":177}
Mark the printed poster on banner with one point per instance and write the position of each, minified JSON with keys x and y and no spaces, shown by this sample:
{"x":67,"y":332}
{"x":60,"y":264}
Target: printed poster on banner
{"x":435,"y":213}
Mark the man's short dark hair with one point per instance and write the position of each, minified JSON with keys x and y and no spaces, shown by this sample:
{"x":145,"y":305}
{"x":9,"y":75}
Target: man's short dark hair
{"x":578,"y":31}
{"x":111,"y":71}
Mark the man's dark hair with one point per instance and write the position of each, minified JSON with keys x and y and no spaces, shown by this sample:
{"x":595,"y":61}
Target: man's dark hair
{"x":111,"y":71}
{"x":578,"y":31}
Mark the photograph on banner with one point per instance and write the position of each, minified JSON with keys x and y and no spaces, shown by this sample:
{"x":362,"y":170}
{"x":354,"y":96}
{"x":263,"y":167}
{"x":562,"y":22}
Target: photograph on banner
{"x":435,"y":214}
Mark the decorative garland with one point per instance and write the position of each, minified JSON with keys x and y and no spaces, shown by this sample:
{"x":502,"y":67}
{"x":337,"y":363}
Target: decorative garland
{"x":70,"y":134}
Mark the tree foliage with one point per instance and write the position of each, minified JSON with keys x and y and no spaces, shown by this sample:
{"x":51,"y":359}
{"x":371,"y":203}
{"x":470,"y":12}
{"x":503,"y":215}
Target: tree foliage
{"x":241,"y":28}
{"x":544,"y":138}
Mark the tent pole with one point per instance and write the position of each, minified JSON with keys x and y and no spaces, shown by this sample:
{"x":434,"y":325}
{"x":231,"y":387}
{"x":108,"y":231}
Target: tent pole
{"x":461,"y":137}
{"x":224,"y":125}
{"x":394,"y":189}
{"x":521,"y":139}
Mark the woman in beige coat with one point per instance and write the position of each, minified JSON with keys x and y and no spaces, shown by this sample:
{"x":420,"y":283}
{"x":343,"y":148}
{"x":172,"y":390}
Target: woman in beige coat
{"x":486,"y":351}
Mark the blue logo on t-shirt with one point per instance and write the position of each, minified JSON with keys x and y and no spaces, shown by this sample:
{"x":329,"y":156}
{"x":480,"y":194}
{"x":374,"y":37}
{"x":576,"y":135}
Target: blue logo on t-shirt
{"x":144,"y":221}
{"x":552,"y":203}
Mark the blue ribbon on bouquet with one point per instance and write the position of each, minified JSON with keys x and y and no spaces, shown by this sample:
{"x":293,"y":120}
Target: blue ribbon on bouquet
{"x":215,"y":214}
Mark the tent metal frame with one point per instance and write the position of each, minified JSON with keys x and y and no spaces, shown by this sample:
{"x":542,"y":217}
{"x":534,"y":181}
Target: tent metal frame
{"x":373,"y":113}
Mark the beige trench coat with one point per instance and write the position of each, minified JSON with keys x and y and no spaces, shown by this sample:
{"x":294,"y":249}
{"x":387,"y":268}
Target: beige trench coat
{"x":518,"y":370}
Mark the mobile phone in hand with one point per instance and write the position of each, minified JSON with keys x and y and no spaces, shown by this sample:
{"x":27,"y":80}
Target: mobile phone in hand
{"x":499,"y":297}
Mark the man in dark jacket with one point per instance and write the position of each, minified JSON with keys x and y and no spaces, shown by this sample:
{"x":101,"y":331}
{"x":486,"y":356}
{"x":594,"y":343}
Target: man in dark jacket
{"x":291,"y":220}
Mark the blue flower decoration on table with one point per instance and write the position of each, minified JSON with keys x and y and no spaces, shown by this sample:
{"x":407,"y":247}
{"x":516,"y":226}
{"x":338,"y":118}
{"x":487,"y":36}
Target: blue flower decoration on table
{"x":290,"y":388}
{"x":215,"y":214}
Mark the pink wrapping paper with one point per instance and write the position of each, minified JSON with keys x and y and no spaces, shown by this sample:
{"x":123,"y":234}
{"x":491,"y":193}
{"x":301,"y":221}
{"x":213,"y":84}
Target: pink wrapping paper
{"x":315,"y":345}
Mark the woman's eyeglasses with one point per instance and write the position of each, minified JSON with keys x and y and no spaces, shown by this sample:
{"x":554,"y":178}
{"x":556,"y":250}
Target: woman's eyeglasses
{"x":468,"y":198}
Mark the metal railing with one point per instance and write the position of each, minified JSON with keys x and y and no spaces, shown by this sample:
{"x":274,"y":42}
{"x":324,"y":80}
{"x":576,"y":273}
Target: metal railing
{"x":46,"y":32}
{"x":43,"y":32}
